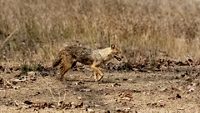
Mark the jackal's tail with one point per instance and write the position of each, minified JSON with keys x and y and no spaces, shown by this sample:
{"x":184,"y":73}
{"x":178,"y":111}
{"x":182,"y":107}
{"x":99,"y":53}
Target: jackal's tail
{"x":56,"y":62}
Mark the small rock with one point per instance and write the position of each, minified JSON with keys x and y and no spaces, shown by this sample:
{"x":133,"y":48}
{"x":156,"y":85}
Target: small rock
{"x":96,"y":105}
{"x":116,"y":84}
{"x":79,"y":98}
{"x":89,"y":110}
{"x":130,"y":79}
{"x":126,"y":98}
{"x":31,"y":73}
{"x":85,"y":90}
{"x":191,"y":88}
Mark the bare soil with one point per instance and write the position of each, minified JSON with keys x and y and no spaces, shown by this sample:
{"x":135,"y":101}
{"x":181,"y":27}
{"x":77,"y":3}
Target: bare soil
{"x":118,"y":91}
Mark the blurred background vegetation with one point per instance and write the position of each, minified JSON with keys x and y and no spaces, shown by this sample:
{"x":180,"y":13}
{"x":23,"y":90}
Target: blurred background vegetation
{"x":35,"y":30}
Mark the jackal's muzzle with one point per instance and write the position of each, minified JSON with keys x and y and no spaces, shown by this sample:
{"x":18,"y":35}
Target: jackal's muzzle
{"x":118,"y":57}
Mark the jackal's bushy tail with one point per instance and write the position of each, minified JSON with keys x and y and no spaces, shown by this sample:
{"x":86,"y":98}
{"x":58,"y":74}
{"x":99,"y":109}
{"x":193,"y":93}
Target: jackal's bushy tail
{"x":61,"y":58}
{"x":57,"y":61}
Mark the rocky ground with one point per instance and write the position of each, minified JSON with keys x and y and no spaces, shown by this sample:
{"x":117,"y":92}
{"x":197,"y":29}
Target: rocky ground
{"x":135,"y":90}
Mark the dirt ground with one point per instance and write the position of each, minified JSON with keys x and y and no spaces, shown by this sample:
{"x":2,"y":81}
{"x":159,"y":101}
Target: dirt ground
{"x":121,"y":92}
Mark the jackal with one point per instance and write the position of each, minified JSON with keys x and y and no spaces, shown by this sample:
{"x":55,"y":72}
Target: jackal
{"x":70,"y":55}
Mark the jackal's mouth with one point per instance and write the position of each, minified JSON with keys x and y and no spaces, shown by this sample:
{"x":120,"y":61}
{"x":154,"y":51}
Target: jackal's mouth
{"x":118,"y":58}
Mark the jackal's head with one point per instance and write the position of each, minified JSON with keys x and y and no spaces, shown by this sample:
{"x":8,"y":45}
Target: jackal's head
{"x":117,"y":53}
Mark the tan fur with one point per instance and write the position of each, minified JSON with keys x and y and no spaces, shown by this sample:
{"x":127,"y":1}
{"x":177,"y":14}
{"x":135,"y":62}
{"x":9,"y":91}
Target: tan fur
{"x":68,"y":57}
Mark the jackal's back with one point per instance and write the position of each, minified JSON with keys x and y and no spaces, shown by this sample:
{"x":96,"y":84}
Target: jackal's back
{"x":80,"y":54}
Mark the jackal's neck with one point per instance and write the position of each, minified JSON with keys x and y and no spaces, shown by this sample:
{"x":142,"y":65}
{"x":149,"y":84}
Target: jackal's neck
{"x":105,"y":52}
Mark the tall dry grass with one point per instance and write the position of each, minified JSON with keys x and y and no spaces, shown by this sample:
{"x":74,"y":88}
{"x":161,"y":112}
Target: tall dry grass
{"x":34,"y":30}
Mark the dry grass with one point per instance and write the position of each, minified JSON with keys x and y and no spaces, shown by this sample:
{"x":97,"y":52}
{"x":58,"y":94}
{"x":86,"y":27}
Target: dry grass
{"x":143,"y":28}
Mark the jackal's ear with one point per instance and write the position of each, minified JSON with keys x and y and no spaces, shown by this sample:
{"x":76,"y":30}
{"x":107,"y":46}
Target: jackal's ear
{"x":113,"y":46}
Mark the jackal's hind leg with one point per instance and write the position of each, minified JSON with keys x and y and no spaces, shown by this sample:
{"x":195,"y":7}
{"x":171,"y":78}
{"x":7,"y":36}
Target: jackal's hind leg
{"x":94,"y":75}
{"x":98,"y":75}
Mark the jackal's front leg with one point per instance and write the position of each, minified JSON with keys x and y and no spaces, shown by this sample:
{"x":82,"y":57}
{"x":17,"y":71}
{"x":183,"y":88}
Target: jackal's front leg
{"x":97,"y":73}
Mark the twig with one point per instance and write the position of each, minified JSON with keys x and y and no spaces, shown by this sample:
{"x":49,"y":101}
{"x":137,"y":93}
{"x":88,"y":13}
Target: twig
{"x":7,"y":38}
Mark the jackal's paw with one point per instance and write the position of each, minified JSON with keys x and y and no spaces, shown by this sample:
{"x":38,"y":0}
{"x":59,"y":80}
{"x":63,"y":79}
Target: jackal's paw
{"x":99,"y":78}
{"x":95,"y":78}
